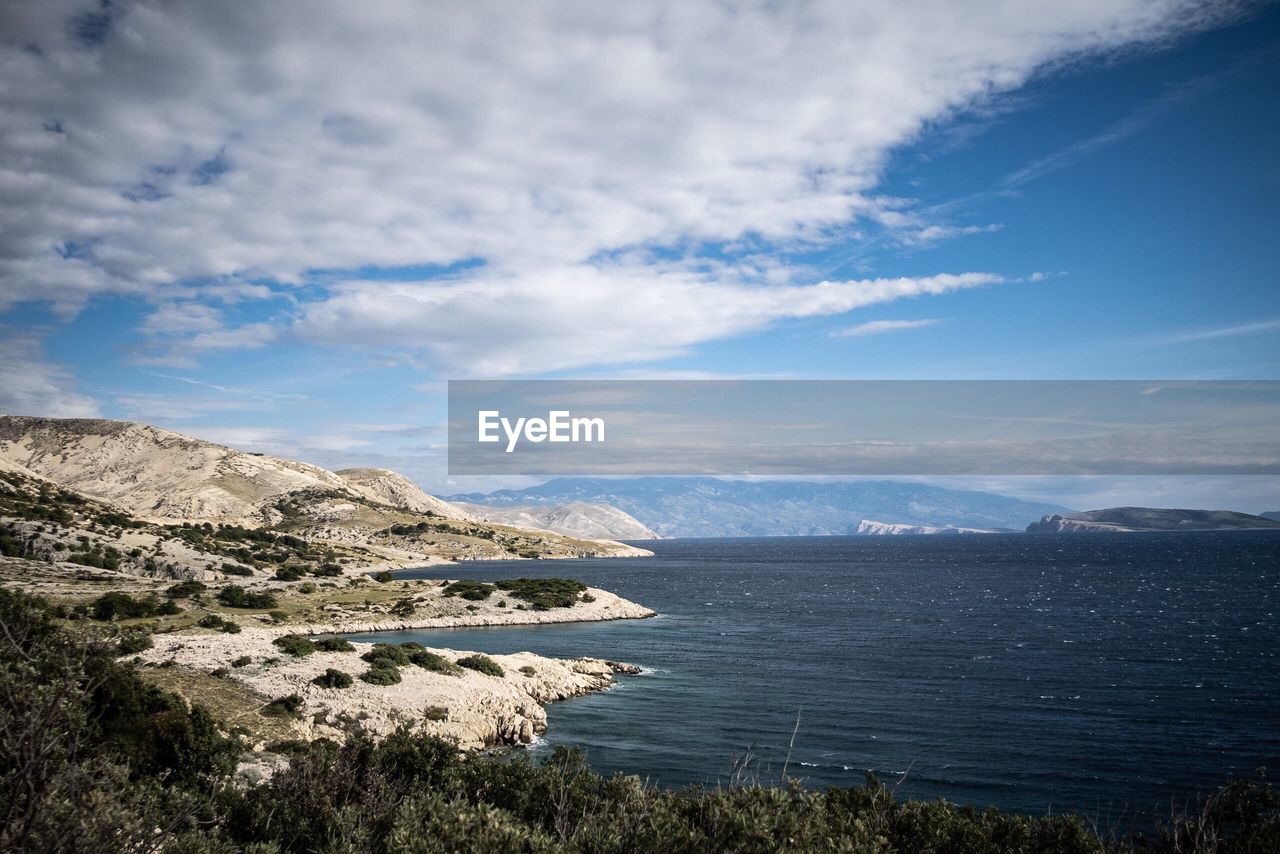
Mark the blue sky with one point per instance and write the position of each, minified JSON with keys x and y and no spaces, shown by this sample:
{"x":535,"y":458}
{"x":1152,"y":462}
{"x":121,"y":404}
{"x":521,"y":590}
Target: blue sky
{"x":286,"y":231}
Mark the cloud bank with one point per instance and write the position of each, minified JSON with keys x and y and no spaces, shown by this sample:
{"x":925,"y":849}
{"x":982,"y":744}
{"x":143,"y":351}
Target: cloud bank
{"x":601,"y":183}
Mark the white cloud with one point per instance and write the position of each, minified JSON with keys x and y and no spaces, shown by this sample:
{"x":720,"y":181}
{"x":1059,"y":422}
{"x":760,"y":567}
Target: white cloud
{"x":532,"y":324}
{"x":879,"y":327}
{"x":1235,"y":330}
{"x":30,"y":385}
{"x":199,"y":147}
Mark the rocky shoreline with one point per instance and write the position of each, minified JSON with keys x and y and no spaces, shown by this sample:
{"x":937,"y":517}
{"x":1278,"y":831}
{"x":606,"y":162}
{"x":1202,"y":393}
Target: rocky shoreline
{"x":475,"y":709}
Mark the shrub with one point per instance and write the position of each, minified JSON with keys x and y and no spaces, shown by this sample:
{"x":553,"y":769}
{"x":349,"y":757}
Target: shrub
{"x":329,"y":570}
{"x":185,"y":589}
{"x":283,"y":707}
{"x":404,"y":608}
{"x":394,"y":656}
{"x":428,"y":660}
{"x":436,"y":713}
{"x":278,"y":616}
{"x":288,"y":573}
{"x":233,"y":569}
{"x":235,"y":596}
{"x":544,"y":593}
{"x":528,"y":670}
{"x":230,"y":628}
{"x":482,"y":664}
{"x":210,"y":621}
{"x":381,"y":674}
{"x":120,"y":606}
{"x":307,"y":588}
{"x":474,"y":591}
{"x":295,"y":645}
{"x":134,"y":642}
{"x":332,"y":679}
{"x":242,"y":661}
{"x":334,"y":645}
{"x":383,"y":577}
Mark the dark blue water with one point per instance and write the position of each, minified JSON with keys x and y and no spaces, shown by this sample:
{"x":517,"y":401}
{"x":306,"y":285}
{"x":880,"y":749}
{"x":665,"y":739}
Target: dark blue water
{"x":1112,"y":674}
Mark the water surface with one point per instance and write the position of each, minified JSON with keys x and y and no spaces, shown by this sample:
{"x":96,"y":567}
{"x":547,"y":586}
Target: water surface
{"x":1114,"y":674}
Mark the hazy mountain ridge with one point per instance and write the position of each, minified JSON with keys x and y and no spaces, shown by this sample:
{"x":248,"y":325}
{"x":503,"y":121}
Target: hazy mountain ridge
{"x":1127,"y":519}
{"x":708,"y":507}
{"x":577,"y":518}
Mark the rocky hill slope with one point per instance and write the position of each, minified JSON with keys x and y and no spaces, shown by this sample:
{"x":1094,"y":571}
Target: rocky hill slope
{"x":160,"y":479}
{"x":1124,"y":519}
{"x":575,"y":519}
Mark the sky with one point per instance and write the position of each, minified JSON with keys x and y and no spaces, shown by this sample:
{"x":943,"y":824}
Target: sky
{"x":285,"y":227}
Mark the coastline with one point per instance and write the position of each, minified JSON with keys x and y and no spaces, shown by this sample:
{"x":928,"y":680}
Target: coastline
{"x":474,"y":709}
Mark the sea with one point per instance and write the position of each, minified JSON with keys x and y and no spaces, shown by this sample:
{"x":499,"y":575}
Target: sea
{"x":1115,"y":675}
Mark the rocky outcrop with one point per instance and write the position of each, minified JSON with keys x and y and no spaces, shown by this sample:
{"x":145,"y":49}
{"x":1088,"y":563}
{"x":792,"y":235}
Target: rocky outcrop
{"x":475,"y":709}
{"x":1130,"y":519}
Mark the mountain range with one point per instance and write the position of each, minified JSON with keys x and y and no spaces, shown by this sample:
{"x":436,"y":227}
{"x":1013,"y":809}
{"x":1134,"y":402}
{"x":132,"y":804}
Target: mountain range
{"x":710,"y":507}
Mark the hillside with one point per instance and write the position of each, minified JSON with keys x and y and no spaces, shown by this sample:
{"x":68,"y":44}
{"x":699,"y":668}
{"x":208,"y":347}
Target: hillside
{"x":709,"y":507}
{"x":158,"y":479}
{"x":1124,"y":519}
{"x":576,"y":519}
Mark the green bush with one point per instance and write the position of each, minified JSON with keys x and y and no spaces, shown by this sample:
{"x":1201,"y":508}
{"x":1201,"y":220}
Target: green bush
{"x":230,"y":628}
{"x":210,"y":621}
{"x":288,"y":573}
{"x":185,"y":589}
{"x":283,"y":707}
{"x":436,"y":713}
{"x":242,"y":661}
{"x":383,"y":577}
{"x":527,"y":670}
{"x":235,"y":596}
{"x":394,"y":656}
{"x":404,"y":608}
{"x":121,"y":606}
{"x":334,"y":645}
{"x":296,"y":645}
{"x":482,"y":664}
{"x":332,"y":679}
{"x":134,"y":642}
{"x":381,"y":673}
{"x":474,"y":591}
{"x":428,"y":660}
{"x":544,"y":593}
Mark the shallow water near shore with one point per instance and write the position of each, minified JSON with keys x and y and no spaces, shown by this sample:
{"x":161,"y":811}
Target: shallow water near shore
{"x":1118,"y":675}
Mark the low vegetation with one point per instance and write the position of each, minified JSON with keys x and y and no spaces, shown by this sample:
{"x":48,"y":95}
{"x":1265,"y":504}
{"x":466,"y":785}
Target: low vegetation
{"x":482,"y":664}
{"x":545,"y":593}
{"x":95,"y":759}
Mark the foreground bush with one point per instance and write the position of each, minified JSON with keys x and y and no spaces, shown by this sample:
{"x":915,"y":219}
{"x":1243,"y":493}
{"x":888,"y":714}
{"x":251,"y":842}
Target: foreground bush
{"x":93,"y":759}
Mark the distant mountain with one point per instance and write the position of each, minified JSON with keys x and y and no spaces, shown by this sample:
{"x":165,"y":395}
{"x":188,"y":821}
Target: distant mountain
{"x":1273,"y":515}
{"x":1151,"y":519}
{"x":708,"y":507}
{"x":577,"y":519}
